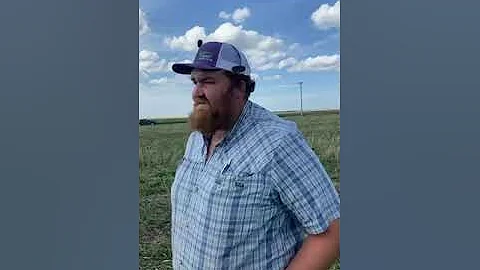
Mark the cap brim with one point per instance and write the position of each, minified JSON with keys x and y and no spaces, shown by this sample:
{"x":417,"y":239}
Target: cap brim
{"x":186,"y":68}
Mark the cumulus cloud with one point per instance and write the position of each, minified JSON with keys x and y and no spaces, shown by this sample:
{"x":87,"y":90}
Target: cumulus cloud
{"x":150,"y":62}
{"x":143,"y":27}
{"x":187,"y":42}
{"x":263,"y":52}
{"x":224,"y":15}
{"x":287,"y":62}
{"x":239,"y":15}
{"x":318,"y":63}
{"x":159,"y":81}
{"x":327,"y":16}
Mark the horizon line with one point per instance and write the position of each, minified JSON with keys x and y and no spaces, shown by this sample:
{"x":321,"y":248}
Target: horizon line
{"x":275,"y":112}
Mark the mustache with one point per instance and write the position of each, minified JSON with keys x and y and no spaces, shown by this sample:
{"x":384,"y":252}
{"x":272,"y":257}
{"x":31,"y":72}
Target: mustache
{"x":200,"y":101}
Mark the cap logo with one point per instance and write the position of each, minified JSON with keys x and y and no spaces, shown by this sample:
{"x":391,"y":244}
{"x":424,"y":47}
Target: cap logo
{"x":205,"y":56}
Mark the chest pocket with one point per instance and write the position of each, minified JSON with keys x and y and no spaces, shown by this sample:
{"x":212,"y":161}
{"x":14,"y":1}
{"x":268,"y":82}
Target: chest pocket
{"x":241,"y":202}
{"x":246,"y":185}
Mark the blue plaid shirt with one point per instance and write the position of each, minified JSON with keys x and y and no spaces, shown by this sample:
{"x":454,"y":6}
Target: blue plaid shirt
{"x":250,"y":205}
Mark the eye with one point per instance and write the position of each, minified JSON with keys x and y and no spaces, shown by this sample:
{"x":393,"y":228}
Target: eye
{"x":203,"y":81}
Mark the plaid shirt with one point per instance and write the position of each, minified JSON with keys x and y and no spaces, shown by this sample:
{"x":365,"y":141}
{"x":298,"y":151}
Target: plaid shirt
{"x":250,"y":205}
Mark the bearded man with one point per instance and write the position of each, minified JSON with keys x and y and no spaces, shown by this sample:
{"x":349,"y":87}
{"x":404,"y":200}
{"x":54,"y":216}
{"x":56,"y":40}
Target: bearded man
{"x":249,"y":192}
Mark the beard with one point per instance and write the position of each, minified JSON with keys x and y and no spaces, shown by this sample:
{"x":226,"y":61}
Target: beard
{"x":203,"y":119}
{"x":207,"y":120}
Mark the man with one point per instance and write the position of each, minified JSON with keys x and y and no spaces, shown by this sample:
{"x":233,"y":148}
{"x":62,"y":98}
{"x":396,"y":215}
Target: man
{"x":249,"y":192}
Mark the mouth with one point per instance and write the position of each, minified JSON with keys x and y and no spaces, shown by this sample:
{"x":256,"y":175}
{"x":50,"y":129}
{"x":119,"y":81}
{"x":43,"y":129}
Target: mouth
{"x":198,"y":103}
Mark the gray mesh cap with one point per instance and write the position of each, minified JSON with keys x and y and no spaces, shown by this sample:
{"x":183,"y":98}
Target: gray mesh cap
{"x":215,"y":56}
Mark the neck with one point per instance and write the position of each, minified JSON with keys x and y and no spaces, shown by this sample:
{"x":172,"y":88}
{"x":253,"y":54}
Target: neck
{"x":219,"y":134}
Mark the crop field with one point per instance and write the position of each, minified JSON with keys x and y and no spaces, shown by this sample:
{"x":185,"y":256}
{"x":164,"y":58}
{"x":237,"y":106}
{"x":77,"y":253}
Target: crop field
{"x":162,"y":146}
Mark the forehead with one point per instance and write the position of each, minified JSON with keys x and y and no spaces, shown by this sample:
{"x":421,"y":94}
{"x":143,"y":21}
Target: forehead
{"x":216,"y":74}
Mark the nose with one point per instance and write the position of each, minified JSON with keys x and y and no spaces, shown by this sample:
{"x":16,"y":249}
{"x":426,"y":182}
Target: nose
{"x":198,"y":91}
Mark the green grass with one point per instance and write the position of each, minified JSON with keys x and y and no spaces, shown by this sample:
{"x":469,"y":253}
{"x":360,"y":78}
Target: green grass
{"x":162,"y":146}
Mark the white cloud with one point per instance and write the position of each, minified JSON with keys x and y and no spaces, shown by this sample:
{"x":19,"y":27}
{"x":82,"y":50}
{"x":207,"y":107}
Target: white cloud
{"x":245,"y":39}
{"x":273,"y":77}
{"x":162,"y":93}
{"x":327,"y":16}
{"x":263,"y":52}
{"x":150,"y":62}
{"x":239,"y":15}
{"x":159,"y":81}
{"x":143,"y":27}
{"x":255,"y":76}
{"x":318,"y":63}
{"x":224,"y":15}
{"x":187,"y":42}
{"x":287,"y":62}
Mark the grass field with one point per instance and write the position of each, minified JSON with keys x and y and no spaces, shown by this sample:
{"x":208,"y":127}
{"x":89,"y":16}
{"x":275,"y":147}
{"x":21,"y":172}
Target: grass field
{"x":161,"y":146}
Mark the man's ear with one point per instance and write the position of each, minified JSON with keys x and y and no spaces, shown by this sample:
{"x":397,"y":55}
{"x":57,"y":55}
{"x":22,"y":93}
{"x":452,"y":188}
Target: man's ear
{"x":243,"y":86}
{"x":242,"y":89}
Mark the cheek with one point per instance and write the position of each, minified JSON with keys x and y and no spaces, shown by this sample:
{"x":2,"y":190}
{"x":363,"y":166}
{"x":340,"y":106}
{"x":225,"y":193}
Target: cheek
{"x":213,"y":97}
{"x":218,"y":98}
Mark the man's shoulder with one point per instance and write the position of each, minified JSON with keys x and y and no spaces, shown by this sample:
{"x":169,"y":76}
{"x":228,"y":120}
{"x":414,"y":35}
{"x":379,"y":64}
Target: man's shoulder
{"x":270,"y":124}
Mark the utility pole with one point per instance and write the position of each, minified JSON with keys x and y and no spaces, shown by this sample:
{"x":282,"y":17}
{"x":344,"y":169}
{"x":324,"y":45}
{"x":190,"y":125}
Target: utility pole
{"x":301,"y":99}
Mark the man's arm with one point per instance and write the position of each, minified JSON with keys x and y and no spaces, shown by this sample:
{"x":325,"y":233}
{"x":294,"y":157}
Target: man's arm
{"x":318,"y":251}
{"x":305,"y":188}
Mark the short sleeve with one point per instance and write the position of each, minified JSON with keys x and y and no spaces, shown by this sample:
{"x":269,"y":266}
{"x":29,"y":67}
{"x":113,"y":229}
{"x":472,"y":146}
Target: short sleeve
{"x":303,"y":184}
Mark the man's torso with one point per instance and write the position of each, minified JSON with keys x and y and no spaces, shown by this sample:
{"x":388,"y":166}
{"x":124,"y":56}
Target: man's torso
{"x":225,"y":213}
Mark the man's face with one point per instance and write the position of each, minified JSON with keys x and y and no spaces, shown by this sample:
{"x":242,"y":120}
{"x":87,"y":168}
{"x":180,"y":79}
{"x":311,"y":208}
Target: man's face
{"x":212,"y":101}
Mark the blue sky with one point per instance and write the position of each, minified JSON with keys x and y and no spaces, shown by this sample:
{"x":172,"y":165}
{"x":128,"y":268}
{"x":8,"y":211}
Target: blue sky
{"x":285,"y":42}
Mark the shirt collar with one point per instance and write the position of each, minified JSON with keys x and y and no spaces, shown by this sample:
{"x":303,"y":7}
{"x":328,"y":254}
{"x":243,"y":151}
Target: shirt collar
{"x":239,"y":124}
{"x":237,"y":127}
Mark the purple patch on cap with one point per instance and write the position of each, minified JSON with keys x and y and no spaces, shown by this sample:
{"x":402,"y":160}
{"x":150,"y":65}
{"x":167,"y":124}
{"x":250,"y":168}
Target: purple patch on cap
{"x":207,"y":55}
{"x":206,"y":58}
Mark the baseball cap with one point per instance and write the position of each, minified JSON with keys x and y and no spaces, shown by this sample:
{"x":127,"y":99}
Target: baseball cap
{"x":215,"y":56}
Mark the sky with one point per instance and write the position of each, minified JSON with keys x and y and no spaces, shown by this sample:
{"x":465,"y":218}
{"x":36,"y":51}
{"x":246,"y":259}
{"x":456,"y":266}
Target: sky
{"x":286,"y":42}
